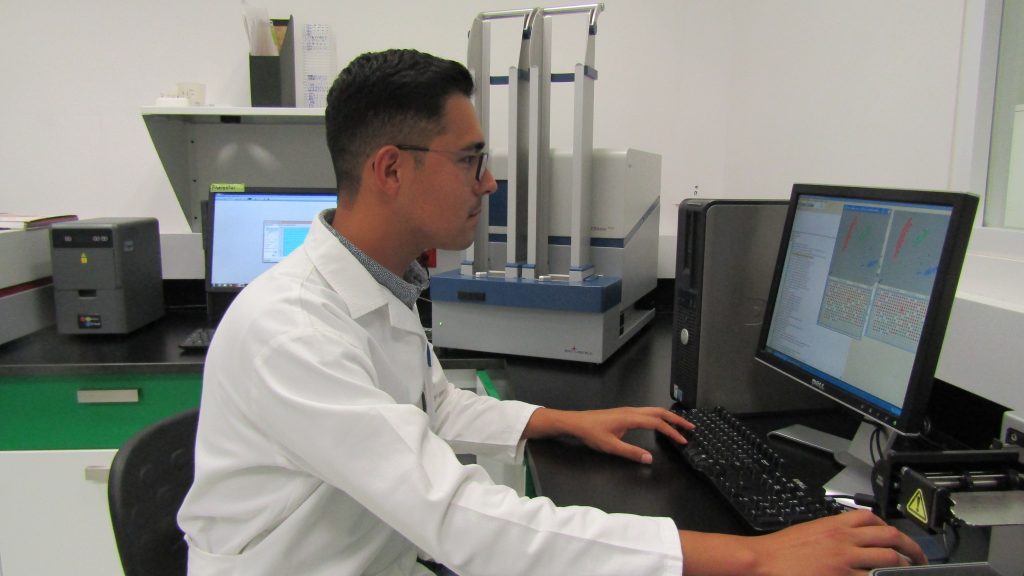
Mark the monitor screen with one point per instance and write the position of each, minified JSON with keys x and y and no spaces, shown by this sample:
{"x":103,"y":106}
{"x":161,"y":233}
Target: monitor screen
{"x":861,"y":295}
{"x":253,"y":230}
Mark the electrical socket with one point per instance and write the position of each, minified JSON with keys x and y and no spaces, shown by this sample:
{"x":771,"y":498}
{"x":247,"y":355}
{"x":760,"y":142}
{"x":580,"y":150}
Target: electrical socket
{"x":1013,"y":428}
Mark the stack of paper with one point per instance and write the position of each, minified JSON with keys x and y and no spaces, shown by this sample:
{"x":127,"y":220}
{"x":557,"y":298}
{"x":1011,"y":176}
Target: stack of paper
{"x":319,"y":65}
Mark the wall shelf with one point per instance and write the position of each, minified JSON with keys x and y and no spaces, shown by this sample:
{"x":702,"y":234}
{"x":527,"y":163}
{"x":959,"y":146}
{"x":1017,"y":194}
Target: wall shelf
{"x":199,"y":146}
{"x":214,"y":114}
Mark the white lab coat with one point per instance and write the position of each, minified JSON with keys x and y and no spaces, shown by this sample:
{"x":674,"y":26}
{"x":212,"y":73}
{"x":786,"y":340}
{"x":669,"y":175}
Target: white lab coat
{"x":314,"y":456}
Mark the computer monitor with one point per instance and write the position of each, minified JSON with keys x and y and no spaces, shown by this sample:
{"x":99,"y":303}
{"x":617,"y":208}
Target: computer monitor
{"x":861,"y":294}
{"x":251,"y":231}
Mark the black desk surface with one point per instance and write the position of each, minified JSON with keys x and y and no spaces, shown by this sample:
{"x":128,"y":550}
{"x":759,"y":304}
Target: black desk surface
{"x":638,"y":375}
{"x":153,"y":347}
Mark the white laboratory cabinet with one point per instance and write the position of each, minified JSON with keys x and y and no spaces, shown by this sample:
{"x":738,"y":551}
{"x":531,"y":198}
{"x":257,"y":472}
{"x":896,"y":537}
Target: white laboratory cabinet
{"x":55,"y":515}
{"x":58,"y":435}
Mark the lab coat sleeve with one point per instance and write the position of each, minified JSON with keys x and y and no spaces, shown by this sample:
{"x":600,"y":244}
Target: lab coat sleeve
{"x":475,"y":424}
{"x":320,"y":402}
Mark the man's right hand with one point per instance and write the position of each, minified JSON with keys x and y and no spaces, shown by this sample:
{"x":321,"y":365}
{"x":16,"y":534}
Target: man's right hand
{"x":849,"y":543}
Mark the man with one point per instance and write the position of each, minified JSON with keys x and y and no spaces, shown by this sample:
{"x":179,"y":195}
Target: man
{"x":328,"y":432}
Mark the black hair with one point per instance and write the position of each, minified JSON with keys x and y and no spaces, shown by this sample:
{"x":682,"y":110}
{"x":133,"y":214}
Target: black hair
{"x":390,"y":97}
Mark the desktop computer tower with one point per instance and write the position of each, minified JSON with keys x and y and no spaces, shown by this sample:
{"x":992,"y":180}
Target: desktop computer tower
{"x":725,"y":255}
{"x":107,"y":275}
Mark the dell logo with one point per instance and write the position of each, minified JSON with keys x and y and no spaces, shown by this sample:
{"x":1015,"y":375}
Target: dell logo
{"x":817,"y":384}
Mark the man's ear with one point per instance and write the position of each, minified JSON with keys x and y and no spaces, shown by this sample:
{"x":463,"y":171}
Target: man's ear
{"x":385,"y":167}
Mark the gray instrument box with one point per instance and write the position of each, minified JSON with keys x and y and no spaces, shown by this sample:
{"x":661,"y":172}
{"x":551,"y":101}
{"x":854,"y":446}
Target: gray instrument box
{"x":725,"y":256}
{"x":106,"y":275}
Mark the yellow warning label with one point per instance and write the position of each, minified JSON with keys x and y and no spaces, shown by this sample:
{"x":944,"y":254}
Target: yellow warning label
{"x":917,"y":507}
{"x":84,"y":259}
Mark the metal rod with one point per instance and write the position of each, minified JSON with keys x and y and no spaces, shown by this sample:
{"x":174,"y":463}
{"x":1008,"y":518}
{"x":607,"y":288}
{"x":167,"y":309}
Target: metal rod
{"x":530,"y":15}
{"x":594,"y":10}
{"x":499,"y":14}
{"x":969,"y":479}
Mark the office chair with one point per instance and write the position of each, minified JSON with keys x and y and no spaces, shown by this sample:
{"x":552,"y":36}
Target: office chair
{"x":149,"y":478}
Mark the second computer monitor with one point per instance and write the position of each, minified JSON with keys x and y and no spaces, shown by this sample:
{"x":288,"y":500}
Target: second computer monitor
{"x":251,"y":231}
{"x":861,"y":295}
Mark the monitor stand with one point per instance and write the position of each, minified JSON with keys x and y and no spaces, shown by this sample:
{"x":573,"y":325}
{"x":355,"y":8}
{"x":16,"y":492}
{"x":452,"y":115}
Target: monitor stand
{"x":854,"y":455}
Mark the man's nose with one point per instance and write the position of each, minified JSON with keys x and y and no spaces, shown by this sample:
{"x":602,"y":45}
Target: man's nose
{"x":487,"y":184}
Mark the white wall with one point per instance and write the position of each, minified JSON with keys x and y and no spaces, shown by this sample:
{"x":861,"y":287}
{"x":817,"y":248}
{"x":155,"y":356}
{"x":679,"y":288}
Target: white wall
{"x":741,"y":98}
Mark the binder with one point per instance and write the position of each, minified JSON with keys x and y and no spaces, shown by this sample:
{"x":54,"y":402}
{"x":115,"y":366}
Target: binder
{"x":272,"y":78}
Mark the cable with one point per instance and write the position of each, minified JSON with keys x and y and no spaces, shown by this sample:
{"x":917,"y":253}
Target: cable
{"x":186,"y":307}
{"x":926,"y":429}
{"x":860,"y":499}
{"x":875,"y":443}
{"x":953,"y":527}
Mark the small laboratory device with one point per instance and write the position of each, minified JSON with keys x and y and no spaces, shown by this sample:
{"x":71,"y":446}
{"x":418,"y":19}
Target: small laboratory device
{"x":107,"y":275}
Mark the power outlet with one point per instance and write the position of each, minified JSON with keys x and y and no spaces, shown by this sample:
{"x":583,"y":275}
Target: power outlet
{"x":1013,"y":428}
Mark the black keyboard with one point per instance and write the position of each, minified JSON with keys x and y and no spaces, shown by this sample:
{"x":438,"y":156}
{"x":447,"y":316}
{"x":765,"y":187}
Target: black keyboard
{"x":198,"y":340}
{"x":748,"y":473}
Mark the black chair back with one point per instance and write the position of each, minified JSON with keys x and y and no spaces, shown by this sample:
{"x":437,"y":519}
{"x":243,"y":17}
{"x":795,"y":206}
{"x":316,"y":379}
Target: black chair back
{"x":149,"y":478}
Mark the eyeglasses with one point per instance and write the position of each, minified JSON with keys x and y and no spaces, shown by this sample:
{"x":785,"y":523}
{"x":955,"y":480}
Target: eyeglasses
{"x":475,"y":161}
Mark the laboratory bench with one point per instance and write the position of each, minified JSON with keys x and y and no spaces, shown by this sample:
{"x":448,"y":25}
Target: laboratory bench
{"x":68,"y":402}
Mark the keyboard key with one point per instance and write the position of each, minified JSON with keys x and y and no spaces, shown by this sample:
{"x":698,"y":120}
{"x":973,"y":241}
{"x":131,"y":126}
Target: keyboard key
{"x":198,"y":340}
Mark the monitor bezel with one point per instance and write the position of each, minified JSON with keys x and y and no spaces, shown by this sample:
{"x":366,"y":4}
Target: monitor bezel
{"x":911,"y":419}
{"x":208,"y":242}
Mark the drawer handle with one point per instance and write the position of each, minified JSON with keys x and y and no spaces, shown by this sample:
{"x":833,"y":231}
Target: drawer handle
{"x":127,"y":396}
{"x":97,"y":473}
